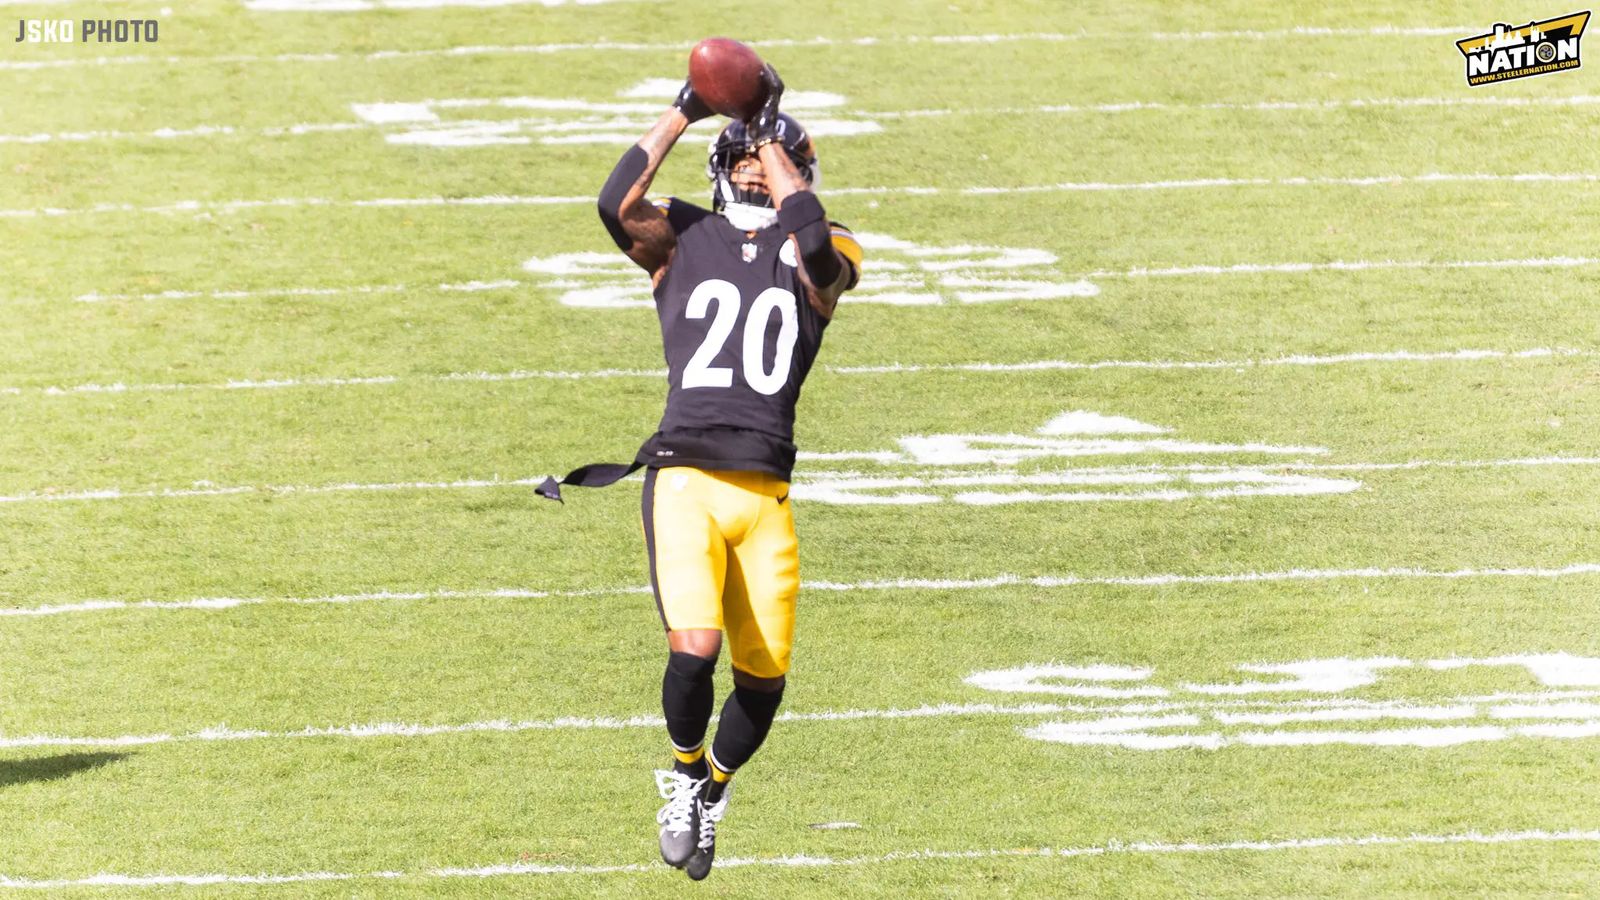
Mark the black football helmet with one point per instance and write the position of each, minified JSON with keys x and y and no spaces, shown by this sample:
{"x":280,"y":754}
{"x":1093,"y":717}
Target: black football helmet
{"x":734,"y":144}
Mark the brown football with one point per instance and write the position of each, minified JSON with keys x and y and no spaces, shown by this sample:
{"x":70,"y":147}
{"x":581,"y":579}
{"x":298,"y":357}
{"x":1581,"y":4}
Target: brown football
{"x":727,"y":76}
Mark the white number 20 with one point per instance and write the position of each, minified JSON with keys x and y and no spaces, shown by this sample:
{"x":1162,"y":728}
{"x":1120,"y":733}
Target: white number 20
{"x":701,"y":373}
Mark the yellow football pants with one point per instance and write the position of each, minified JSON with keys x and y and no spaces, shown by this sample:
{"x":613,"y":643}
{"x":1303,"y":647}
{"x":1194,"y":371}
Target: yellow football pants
{"x":723,"y":555}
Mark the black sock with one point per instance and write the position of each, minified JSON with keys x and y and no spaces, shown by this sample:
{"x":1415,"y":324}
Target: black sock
{"x":746,"y":718}
{"x":686,"y":700}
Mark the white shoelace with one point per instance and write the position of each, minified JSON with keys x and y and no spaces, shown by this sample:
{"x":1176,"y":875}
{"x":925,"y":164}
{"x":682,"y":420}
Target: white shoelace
{"x":680,"y":792}
{"x":710,"y":816}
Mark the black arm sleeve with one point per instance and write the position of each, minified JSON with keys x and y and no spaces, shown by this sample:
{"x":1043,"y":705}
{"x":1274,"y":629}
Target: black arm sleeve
{"x":622,"y":180}
{"x":801,"y":215}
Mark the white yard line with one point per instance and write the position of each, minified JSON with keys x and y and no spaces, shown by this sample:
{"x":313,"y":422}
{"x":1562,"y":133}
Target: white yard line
{"x":664,"y":47}
{"x":220,"y":603}
{"x":311,"y":292}
{"x":299,"y":129}
{"x":1223,"y":182}
{"x":1134,"y":106}
{"x":319,"y":382}
{"x":62,"y":495}
{"x":1395,"y":356}
{"x":1162,"y":580}
{"x":1237,"y":365}
{"x":199,"y":207}
{"x":537,"y":124}
{"x":1067,"y":286}
{"x":1360,"y":265}
{"x":1088,"y":474}
{"x":492,"y":200}
{"x":1531,"y":704}
{"x":898,"y":584}
{"x":1112,"y":848}
{"x":277,"y":489}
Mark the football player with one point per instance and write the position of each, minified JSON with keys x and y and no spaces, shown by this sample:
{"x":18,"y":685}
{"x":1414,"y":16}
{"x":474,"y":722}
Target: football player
{"x":743,"y":291}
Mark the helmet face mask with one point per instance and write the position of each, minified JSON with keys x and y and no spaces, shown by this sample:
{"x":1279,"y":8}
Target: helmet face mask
{"x":745,"y":201}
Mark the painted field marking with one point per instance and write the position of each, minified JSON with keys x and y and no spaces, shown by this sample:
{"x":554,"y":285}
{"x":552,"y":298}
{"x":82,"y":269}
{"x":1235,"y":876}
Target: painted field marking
{"x":207,"y":490}
{"x":199,"y":207}
{"x":1467,"y":720}
{"x":1062,"y":365}
{"x":1225,"y":182}
{"x":1298,"y":465}
{"x":514,"y":375}
{"x":1113,"y":848}
{"x":968,"y":274}
{"x":208,"y":207}
{"x":959,"y":463}
{"x":986,"y":460}
{"x":225,"y":603}
{"x":267,"y":384}
{"x":570,"y":121}
{"x":1561,"y":262}
{"x":1127,"y":715}
{"x":621,"y":124}
{"x":169,"y":133}
{"x":902,"y":273}
{"x":993,"y":485}
{"x":1053,"y":582}
{"x":308,"y":292}
{"x":1266,"y":106}
{"x":1148,"y":733}
{"x":818,"y":489}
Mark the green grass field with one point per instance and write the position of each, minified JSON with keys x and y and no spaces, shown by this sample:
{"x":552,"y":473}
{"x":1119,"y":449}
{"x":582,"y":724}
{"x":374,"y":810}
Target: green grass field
{"x":294,"y":321}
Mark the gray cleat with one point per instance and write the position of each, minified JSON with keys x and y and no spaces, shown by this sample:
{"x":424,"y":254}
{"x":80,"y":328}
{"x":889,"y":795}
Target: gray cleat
{"x":700,"y":864}
{"x":679,"y":818}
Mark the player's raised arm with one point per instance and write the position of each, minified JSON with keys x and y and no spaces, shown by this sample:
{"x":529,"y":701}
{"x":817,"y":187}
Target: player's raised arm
{"x":824,"y":270}
{"x":638,"y":227}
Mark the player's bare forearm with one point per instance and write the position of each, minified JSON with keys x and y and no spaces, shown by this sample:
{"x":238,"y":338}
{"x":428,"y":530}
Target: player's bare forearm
{"x":657,"y":143}
{"x":635,"y":224}
{"x":824,"y":271}
{"x":783,"y":179}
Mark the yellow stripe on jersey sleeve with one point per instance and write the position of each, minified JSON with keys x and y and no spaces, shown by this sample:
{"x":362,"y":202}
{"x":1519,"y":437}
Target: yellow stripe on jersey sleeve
{"x":848,"y":247}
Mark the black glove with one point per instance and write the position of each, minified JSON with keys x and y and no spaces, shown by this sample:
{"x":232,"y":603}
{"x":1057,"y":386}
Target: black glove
{"x":689,"y":103}
{"x":766,"y":127}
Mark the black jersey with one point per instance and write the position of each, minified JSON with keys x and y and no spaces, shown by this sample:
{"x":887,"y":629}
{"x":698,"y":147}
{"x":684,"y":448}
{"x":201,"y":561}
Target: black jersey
{"x":739,"y":338}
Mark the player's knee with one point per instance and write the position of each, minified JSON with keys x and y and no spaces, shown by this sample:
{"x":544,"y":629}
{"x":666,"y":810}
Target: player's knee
{"x":761,"y":704}
{"x":691,"y":667}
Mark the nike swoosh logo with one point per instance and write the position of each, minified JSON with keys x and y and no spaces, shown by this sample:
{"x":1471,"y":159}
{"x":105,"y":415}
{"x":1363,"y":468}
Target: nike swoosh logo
{"x":783,"y":498}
